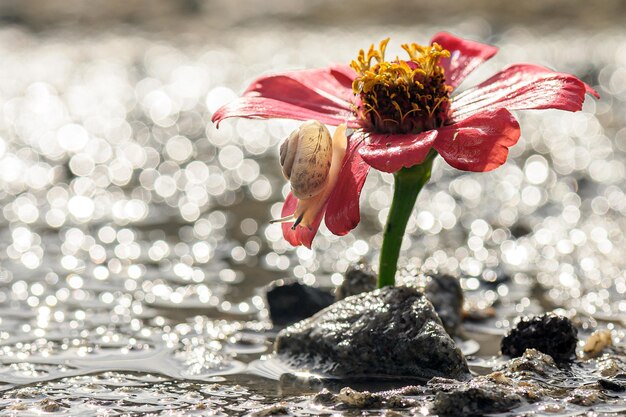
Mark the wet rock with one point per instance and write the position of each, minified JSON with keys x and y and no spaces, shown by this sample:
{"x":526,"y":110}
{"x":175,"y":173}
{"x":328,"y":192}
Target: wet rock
{"x":359,"y":278}
{"x":365,"y":399}
{"x":349,"y":398}
{"x":49,"y":406}
{"x":533,"y":362}
{"x":549,"y":333}
{"x":300,"y":382}
{"x":279,"y":409}
{"x":28,"y":393}
{"x":359,"y":399}
{"x":410,"y":390}
{"x":20,"y":406}
{"x":325,"y":397}
{"x":522,"y":381}
{"x":445,"y":294}
{"x":584,"y":397}
{"x":393,"y":331}
{"x":612,"y":385}
{"x":530,"y":371}
{"x":610,"y":366}
{"x":443,"y":291}
{"x":473,"y":399}
{"x":289,"y":301}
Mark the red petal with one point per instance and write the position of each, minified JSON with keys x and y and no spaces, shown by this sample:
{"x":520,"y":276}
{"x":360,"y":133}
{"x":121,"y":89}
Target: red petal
{"x":389,"y":153}
{"x":267,"y":108}
{"x":334,"y":83}
{"x":321,"y":94}
{"x":301,"y":235}
{"x":479,"y":143}
{"x":465,"y":56}
{"x":522,"y":87}
{"x":342,"y":210}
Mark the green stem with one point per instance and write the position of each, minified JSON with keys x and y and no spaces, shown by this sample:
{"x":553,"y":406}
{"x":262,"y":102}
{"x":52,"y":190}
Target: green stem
{"x":407,"y":185}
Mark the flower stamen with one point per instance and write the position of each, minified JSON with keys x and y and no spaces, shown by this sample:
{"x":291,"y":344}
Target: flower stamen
{"x":402,"y":96}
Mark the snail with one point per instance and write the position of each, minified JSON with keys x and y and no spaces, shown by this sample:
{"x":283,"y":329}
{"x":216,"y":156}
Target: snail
{"x":311,"y":161}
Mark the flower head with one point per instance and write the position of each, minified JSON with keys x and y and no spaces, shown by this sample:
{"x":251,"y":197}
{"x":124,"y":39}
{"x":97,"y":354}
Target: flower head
{"x":402,"y":96}
{"x":402,"y":111}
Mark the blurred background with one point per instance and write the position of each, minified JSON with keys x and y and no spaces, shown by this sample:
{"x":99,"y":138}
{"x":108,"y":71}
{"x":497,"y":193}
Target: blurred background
{"x":549,"y":14}
{"x":134,"y":236}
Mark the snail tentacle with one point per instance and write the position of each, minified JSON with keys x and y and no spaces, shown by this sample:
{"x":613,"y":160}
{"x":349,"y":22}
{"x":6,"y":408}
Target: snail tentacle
{"x":285,"y":219}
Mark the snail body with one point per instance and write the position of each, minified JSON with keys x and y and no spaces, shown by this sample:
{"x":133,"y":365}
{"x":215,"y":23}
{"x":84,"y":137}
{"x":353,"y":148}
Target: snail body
{"x":311,"y":160}
{"x":305,"y":157}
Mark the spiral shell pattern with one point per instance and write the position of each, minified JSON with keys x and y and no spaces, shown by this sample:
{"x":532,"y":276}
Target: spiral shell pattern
{"x":305,"y":157}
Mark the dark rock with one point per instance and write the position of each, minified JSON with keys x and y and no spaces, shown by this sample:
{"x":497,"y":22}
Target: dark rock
{"x":548,"y":333}
{"x":393,"y":331}
{"x":443,"y":291}
{"x":612,"y":385}
{"x":475,"y":398}
{"x":289,"y":301}
{"x":445,"y":294}
{"x":533,"y":378}
{"x":520,"y":229}
{"x":359,"y":278}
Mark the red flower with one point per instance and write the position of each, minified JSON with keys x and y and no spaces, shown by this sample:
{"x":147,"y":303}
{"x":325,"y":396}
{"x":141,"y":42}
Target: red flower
{"x":472,"y":130}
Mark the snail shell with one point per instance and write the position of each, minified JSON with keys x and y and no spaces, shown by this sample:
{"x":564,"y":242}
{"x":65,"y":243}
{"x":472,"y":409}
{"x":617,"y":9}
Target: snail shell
{"x":305,"y":157}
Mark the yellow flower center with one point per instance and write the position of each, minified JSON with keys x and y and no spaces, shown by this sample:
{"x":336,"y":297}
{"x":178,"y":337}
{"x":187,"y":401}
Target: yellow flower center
{"x":402,"y":96}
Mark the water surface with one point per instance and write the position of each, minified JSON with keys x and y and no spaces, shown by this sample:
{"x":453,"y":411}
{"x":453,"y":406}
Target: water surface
{"x":134,"y":235}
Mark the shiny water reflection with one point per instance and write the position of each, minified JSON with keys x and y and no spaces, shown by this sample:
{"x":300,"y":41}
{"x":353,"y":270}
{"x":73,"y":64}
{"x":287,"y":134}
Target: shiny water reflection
{"x":135,"y":234}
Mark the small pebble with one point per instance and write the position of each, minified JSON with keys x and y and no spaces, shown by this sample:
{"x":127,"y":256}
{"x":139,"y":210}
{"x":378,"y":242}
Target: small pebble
{"x":611,"y":385}
{"x":49,"y":406}
{"x":289,"y":301}
{"x":359,"y":278}
{"x":597,"y":342}
{"x":279,"y":409}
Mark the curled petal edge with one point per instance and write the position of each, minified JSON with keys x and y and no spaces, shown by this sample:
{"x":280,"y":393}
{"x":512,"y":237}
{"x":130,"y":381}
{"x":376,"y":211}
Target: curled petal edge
{"x":479,"y":143}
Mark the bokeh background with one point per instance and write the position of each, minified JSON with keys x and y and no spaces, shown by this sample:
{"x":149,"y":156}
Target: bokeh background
{"x":134,"y":236}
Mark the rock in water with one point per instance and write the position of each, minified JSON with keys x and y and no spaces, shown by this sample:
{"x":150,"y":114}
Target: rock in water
{"x":475,"y":398}
{"x":359,"y":278}
{"x":288,"y":301}
{"x":443,"y":291}
{"x":445,"y":294}
{"x":393,"y":331}
{"x":548,"y":333}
